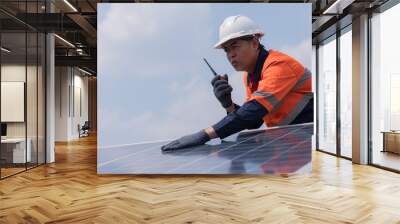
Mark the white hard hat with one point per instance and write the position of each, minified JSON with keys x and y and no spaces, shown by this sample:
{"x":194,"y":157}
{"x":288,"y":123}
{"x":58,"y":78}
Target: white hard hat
{"x":237,"y":26}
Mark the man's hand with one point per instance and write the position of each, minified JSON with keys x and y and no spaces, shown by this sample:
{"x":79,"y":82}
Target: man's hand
{"x":198,"y":138}
{"x":222,"y":90}
{"x":231,"y":108}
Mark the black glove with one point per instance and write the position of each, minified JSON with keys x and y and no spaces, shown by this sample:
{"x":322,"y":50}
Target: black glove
{"x":222,"y":90}
{"x":198,"y":138}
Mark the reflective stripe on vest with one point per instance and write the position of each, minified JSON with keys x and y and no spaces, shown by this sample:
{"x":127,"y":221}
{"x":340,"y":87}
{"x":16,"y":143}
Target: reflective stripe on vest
{"x":268,"y":97}
{"x":302,"y":103}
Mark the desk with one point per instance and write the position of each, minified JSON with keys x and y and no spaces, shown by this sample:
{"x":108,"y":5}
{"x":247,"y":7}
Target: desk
{"x":15,"y":148}
{"x":391,"y":141}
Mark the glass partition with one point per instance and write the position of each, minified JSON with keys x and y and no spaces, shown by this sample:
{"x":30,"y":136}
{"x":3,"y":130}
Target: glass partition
{"x":14,"y":153}
{"x":22,"y":78}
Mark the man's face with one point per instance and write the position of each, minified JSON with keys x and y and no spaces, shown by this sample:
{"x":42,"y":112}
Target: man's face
{"x":242,"y":54}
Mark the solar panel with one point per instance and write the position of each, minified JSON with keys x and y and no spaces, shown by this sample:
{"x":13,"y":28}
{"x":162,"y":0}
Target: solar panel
{"x":285,"y":149}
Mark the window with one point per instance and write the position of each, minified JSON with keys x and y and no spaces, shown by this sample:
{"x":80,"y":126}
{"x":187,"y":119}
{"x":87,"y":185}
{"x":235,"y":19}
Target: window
{"x":385,"y":89}
{"x":327,"y":95}
{"x":346,"y":92}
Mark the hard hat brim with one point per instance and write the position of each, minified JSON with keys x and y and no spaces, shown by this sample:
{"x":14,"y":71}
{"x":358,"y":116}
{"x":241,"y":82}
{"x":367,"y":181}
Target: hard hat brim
{"x":219,"y":44}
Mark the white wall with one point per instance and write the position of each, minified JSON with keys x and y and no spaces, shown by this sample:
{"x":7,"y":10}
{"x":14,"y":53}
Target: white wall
{"x":12,"y":100}
{"x":62,"y":81}
{"x":69,"y":82}
{"x":80,"y":83}
{"x":12,"y":73}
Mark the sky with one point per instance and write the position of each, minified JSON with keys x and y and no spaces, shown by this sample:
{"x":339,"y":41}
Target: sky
{"x":152,"y":82}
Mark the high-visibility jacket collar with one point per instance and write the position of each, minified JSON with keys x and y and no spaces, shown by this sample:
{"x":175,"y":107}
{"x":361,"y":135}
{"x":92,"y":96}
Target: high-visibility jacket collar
{"x":253,"y":78}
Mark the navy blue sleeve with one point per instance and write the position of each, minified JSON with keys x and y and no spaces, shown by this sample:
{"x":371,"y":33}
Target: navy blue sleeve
{"x":236,"y":107}
{"x":248,"y":116}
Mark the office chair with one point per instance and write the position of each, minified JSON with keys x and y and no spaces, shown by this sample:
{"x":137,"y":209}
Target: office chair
{"x":84,"y":130}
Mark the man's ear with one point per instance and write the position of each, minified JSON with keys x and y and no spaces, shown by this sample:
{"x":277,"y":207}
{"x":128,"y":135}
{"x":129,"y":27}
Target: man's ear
{"x":255,"y":43}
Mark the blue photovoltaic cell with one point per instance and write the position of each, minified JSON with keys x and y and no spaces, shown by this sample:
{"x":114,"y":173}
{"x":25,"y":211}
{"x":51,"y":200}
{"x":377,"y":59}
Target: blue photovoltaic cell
{"x":279,"y":150}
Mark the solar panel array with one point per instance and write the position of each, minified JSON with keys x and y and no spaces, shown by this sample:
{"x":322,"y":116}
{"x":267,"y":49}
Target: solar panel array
{"x":285,"y":149}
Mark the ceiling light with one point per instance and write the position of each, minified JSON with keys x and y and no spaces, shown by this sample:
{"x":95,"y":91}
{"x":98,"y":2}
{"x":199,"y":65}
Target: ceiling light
{"x":5,"y":50}
{"x":70,"y":5}
{"x":84,"y":71}
{"x":338,"y":6}
{"x":65,"y":41}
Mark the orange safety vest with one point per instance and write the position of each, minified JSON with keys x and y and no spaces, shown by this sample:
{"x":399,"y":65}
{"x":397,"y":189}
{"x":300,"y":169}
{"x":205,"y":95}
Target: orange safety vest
{"x":284,"y":88}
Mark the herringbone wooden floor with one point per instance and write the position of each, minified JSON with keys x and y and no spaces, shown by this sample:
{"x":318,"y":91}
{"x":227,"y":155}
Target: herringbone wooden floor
{"x":70,"y":191}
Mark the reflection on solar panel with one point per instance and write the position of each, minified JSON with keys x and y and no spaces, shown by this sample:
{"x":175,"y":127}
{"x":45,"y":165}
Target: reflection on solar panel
{"x":285,"y":149}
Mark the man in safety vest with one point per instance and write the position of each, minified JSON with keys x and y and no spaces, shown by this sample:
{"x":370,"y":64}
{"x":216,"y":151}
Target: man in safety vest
{"x":278,"y":88}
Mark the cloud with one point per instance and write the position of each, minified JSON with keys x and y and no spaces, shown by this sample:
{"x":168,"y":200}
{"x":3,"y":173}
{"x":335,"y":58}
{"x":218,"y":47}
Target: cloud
{"x":194,"y":108}
{"x":301,"y":51}
{"x":136,"y":36}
